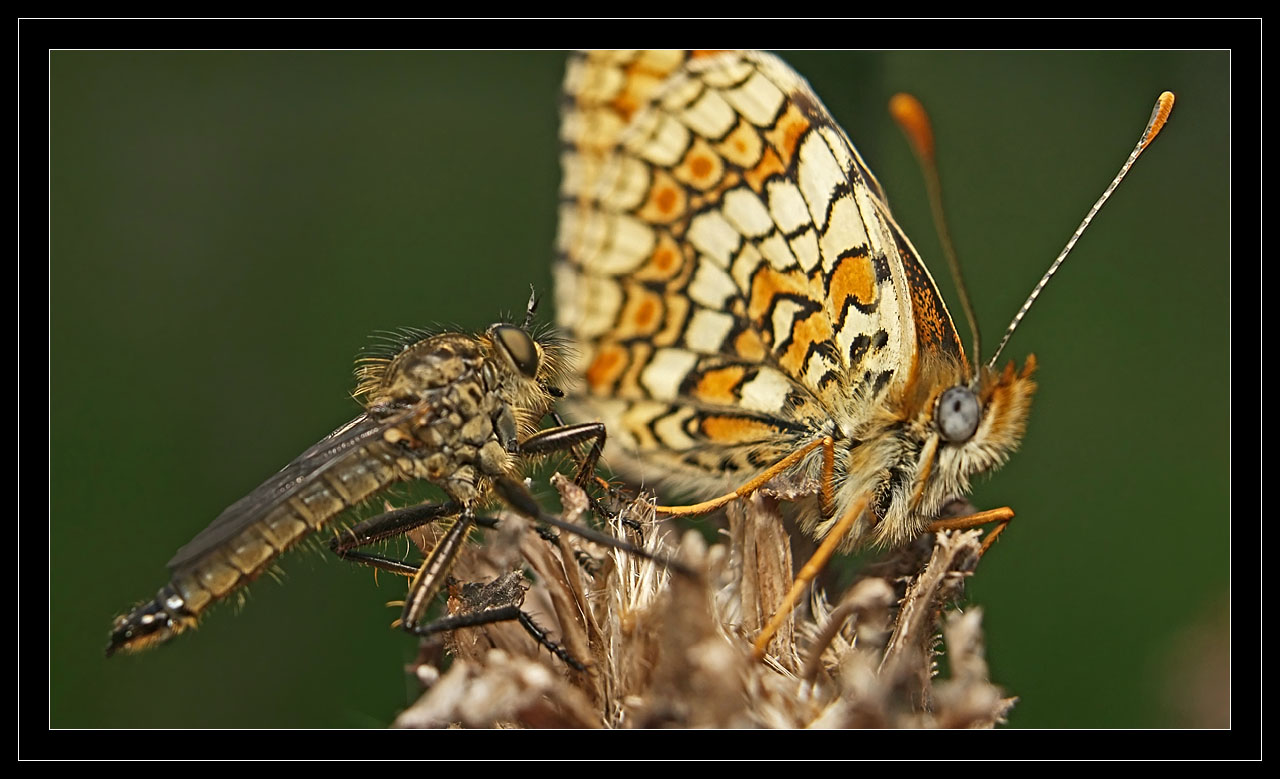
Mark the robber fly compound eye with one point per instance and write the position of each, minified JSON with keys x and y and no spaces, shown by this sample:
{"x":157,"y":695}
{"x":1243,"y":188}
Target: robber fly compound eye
{"x":519,"y":347}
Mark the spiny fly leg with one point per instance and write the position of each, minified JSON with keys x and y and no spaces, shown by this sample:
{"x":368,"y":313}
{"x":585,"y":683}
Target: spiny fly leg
{"x":392,"y":524}
{"x":518,"y":497}
{"x":433,"y":572}
{"x":565,"y":438}
{"x":491,"y":603}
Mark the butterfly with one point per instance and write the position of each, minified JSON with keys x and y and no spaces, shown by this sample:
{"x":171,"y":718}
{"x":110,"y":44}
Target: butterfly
{"x":747,"y":310}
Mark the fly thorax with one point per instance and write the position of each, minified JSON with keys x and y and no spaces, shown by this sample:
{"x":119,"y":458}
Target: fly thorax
{"x":430,"y":365}
{"x":436,"y":388}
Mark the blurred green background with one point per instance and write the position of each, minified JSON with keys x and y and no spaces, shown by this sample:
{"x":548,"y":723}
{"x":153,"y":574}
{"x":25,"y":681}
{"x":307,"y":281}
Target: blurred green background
{"x":228,"y":228}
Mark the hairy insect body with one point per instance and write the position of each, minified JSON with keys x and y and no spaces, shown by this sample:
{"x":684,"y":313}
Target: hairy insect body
{"x":450,"y":409}
{"x":463,"y":430}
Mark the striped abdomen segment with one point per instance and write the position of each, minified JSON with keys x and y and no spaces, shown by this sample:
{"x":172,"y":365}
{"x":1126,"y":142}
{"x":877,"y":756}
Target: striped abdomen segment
{"x":253,"y":532}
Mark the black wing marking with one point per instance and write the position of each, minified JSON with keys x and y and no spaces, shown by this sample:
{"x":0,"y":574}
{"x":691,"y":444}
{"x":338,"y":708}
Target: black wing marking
{"x":279,"y":488}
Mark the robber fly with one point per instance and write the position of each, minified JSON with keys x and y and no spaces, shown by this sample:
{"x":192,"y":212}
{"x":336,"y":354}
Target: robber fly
{"x":458,"y":410}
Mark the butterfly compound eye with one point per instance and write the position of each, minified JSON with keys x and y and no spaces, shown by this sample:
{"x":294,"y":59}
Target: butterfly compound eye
{"x":958,"y":414}
{"x":519,"y":347}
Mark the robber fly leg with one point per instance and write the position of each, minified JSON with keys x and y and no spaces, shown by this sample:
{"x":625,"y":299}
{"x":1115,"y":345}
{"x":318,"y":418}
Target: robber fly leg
{"x":393,"y":524}
{"x":566,"y":438}
{"x":487,"y":604}
{"x":431,"y":575}
{"x":518,"y":498}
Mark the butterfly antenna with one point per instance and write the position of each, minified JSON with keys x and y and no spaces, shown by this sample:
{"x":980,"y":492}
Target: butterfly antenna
{"x":914,"y":121}
{"x":1159,"y":115}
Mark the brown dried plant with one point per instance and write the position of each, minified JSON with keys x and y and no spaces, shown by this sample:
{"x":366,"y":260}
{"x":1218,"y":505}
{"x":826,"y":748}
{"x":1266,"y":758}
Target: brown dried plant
{"x":665,"y":650}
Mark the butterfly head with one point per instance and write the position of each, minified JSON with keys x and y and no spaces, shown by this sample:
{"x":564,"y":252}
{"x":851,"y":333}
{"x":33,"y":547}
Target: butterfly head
{"x":940,"y":434}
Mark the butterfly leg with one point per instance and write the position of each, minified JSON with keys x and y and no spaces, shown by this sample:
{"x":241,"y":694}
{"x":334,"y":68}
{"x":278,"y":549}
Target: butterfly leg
{"x":826,"y":495}
{"x":832,"y":541}
{"x":1002,"y":516}
{"x":826,"y":502}
{"x":809,"y":572}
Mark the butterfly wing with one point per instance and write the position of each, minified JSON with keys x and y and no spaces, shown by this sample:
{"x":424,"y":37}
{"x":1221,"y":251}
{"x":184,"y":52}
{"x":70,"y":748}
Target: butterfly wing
{"x":727,"y":266}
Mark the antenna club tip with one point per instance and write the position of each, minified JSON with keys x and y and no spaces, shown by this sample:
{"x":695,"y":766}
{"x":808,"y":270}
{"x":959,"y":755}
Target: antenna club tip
{"x":1159,"y":116}
{"x":910,"y":115}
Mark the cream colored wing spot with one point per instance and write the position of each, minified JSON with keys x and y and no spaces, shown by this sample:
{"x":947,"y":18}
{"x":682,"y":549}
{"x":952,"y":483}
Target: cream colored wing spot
{"x":626,"y":181}
{"x":818,"y":176}
{"x":844,"y":235}
{"x":711,"y":234}
{"x":746,"y":214}
{"x":818,"y":369}
{"x":759,"y":100}
{"x":665,"y":145}
{"x":711,"y":116}
{"x":723,"y":71}
{"x":675,"y":96}
{"x":788,"y":208}
{"x":806,"y":251}
{"x":708,"y":330}
{"x":665,"y":372}
{"x":742,"y":146}
{"x":746,"y":266}
{"x":627,"y":243}
{"x":672,"y":430}
{"x":840,"y":149}
{"x":775,"y":249}
{"x":767,"y":392}
{"x":591,"y":303}
{"x":711,"y":287}
{"x":782,"y":323}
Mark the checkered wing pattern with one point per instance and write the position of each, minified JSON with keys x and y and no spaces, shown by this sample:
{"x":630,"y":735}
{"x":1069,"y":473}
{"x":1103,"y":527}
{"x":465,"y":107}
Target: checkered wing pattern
{"x":728,"y":266}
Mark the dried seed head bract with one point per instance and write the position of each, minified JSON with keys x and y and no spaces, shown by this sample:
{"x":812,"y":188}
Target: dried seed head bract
{"x":663,"y":650}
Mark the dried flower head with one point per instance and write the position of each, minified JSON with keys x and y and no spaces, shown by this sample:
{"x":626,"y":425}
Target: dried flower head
{"x":661,"y":650}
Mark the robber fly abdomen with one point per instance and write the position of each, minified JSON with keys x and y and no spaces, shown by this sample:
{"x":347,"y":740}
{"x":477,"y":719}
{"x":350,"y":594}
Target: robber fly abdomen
{"x":458,"y":410}
{"x":212,"y":567}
